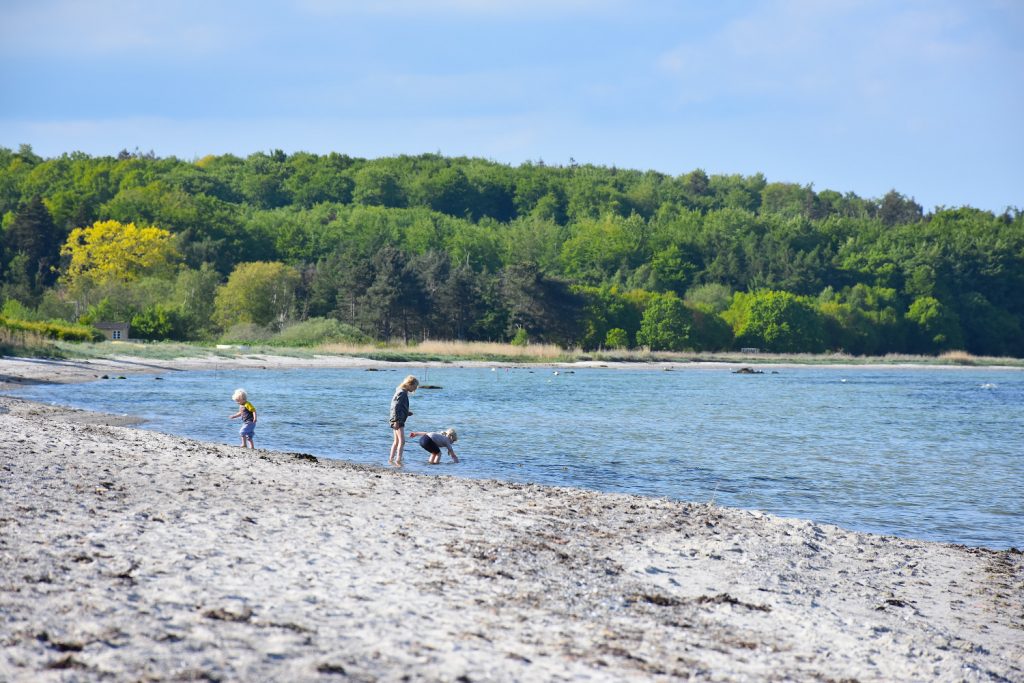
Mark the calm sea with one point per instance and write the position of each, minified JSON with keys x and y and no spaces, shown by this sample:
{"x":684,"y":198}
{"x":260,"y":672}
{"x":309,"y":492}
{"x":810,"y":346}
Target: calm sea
{"x":934,"y":454}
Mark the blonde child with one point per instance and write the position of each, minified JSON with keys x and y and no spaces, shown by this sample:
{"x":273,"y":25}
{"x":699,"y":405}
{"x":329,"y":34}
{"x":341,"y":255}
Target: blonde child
{"x":435,"y":441}
{"x":399,"y":414}
{"x":247,"y":412}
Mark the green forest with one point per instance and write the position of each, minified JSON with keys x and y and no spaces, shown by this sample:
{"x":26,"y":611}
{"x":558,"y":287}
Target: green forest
{"x":315,"y":248}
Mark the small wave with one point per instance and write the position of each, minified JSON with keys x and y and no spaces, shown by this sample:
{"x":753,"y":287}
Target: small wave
{"x":989,"y":385}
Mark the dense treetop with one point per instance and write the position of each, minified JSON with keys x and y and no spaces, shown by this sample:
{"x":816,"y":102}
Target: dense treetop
{"x":431,"y":246}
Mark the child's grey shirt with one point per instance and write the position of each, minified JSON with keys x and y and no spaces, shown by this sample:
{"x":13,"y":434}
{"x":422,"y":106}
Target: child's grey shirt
{"x":440,"y":439}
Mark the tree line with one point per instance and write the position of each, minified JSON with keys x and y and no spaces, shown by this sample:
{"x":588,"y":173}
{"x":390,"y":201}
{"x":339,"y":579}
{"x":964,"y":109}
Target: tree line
{"x":428,"y":246}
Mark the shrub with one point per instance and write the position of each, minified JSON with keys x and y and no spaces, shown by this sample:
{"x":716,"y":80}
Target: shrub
{"x":521,"y":338}
{"x":157,"y":322}
{"x":617,"y":338}
{"x":666,"y":325}
{"x":52,"y":330}
{"x":317,"y":331}
{"x":15,"y":309}
{"x":246,"y":333}
{"x":780,"y":322}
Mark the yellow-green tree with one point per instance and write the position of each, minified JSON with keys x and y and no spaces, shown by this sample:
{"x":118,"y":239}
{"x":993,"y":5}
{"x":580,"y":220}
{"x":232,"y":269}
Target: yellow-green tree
{"x":112,"y":252}
{"x":260,"y":292}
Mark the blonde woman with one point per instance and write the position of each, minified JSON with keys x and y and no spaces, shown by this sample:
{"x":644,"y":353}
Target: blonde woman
{"x":435,"y":441}
{"x":399,"y":414}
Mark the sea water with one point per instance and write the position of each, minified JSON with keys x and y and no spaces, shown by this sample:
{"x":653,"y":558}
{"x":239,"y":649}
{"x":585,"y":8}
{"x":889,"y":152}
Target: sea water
{"x":928,"y":453}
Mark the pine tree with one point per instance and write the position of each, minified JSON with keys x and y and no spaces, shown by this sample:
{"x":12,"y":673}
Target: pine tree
{"x":33,"y":235}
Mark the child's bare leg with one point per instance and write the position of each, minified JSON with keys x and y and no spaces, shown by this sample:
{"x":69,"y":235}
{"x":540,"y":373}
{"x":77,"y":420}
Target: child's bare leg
{"x":397,"y":447}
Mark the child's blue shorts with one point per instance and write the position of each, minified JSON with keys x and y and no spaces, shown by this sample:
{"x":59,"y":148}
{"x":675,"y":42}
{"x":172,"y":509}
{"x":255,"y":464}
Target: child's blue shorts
{"x":247,"y":429}
{"x":429,"y":444}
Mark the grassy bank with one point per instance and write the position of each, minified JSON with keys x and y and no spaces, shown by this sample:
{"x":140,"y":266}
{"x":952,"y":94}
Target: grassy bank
{"x":453,"y":351}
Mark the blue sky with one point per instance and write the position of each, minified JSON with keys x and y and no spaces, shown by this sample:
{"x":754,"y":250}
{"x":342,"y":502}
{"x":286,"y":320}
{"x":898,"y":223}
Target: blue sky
{"x":922,"y":96}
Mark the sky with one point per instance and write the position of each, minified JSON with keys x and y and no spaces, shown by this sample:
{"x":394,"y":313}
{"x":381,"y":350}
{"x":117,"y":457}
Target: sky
{"x":925,"y":97}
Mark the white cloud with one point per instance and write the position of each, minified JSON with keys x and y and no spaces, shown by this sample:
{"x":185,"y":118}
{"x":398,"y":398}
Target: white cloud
{"x":85,"y":29}
{"x":836,"y":53}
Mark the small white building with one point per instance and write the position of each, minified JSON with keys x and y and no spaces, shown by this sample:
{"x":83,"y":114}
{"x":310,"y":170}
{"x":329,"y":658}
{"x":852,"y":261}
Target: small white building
{"x":113,"y":331}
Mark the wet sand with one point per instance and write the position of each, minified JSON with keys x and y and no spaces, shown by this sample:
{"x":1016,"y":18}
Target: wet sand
{"x":132,"y":555}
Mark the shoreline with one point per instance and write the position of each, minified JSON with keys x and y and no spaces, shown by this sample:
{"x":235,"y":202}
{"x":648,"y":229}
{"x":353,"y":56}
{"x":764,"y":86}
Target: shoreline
{"x":17,"y":371}
{"x":127,"y":554}
{"x":21,"y":372}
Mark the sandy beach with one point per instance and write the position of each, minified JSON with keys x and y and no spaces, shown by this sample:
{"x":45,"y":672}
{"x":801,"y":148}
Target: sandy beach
{"x":129,"y":555}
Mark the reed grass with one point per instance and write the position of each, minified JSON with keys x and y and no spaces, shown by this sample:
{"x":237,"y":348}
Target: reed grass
{"x":459,"y":348}
{"x":453,"y":351}
{"x":958,"y":358}
{"x":27,"y":344}
{"x":12,"y":337}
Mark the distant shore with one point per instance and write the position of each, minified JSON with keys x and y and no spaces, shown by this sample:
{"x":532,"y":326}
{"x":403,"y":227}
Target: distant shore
{"x":129,"y":554}
{"x":22,"y":371}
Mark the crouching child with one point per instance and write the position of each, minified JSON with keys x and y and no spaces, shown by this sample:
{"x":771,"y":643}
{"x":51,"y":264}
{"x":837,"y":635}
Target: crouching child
{"x":433,"y":442}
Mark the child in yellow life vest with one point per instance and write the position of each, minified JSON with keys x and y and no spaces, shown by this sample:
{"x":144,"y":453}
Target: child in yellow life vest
{"x":247,"y":412}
